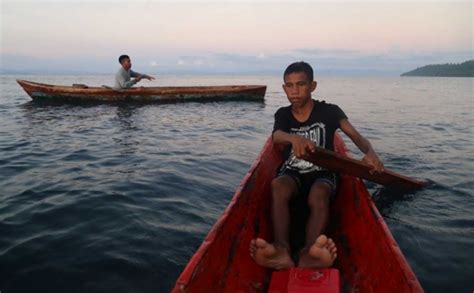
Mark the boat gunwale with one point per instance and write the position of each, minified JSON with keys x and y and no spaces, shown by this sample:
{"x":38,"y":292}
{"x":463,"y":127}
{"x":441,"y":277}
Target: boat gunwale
{"x":140,"y":90}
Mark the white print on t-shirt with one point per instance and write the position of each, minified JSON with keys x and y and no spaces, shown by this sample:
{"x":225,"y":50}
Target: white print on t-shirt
{"x":315,"y":132}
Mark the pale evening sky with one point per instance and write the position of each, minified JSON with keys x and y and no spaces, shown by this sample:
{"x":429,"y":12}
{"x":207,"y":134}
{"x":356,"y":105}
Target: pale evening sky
{"x":243,"y":37}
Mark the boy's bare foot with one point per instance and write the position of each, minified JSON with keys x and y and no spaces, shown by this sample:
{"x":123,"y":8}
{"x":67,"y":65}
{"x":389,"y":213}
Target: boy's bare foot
{"x":269,"y":255}
{"x":320,"y":255}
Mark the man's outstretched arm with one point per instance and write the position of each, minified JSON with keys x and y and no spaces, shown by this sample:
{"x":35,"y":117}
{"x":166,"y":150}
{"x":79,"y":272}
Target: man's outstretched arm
{"x":140,"y":75}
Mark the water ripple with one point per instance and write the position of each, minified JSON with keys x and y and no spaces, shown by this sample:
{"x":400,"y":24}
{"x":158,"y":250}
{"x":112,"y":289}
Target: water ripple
{"x":118,"y":197}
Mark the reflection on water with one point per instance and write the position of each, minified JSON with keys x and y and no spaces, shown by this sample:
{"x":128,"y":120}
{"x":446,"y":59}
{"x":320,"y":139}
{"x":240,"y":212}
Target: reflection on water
{"x":125,"y":139}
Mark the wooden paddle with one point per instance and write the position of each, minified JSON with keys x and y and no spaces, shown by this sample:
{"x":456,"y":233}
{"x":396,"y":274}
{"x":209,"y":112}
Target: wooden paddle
{"x":345,"y":165}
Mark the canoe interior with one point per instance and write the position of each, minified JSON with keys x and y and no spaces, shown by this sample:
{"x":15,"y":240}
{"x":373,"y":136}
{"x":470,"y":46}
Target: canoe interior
{"x":40,"y":91}
{"x":369,"y":259}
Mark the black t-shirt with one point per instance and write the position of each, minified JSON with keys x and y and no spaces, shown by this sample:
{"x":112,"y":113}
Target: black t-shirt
{"x":320,"y":128}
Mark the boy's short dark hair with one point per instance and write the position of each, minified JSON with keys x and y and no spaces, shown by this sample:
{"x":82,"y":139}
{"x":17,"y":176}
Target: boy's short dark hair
{"x":300,"y":67}
{"x":123,"y":57}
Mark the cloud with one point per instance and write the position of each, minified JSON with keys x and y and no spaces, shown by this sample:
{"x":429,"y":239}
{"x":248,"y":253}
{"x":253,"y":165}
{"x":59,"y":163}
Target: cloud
{"x":198,"y":62}
{"x":324,"y":61}
{"x":326,"y":52}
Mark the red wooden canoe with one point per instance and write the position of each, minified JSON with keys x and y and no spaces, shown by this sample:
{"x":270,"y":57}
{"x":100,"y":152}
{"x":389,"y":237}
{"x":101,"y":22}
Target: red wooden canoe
{"x":369,"y":258}
{"x":82,"y":93}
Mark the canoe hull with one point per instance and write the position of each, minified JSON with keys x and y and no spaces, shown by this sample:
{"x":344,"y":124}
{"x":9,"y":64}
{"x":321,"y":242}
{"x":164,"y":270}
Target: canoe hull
{"x":46,"y":92}
{"x":369,"y":259}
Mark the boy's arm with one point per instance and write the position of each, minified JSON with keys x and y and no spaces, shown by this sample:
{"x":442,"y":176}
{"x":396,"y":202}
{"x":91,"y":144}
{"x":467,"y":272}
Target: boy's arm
{"x":363,"y":144}
{"x":300,"y":145}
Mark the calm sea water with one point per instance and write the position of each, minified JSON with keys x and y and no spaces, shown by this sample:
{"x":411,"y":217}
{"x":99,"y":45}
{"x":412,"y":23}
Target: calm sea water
{"x":116,"y":198}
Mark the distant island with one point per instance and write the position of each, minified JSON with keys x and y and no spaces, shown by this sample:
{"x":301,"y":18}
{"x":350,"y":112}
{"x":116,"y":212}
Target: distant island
{"x":465,"y":69}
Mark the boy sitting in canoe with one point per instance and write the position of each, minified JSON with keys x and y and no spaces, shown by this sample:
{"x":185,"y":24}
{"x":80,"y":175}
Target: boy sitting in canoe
{"x":304,"y":124}
{"x":122,"y":78}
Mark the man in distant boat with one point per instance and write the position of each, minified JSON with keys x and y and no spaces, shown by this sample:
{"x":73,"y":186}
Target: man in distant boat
{"x":300,"y":127}
{"x":124,"y":74}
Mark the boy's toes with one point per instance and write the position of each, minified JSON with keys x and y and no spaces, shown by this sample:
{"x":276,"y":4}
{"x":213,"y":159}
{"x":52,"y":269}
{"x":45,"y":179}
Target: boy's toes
{"x":330,"y":243}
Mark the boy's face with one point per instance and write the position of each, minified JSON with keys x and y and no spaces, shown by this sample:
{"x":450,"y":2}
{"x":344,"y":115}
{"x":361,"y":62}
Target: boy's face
{"x":127,"y":63}
{"x":298,"y":88}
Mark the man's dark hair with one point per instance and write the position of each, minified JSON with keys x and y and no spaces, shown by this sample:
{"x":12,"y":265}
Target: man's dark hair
{"x":123,"y":57}
{"x":300,"y":67}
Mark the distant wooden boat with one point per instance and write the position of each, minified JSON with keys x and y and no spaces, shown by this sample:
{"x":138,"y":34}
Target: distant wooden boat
{"x":369,"y":258}
{"x":83,"y":93}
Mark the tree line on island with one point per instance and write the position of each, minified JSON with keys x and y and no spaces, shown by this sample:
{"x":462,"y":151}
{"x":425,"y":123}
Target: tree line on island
{"x":465,"y":69}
